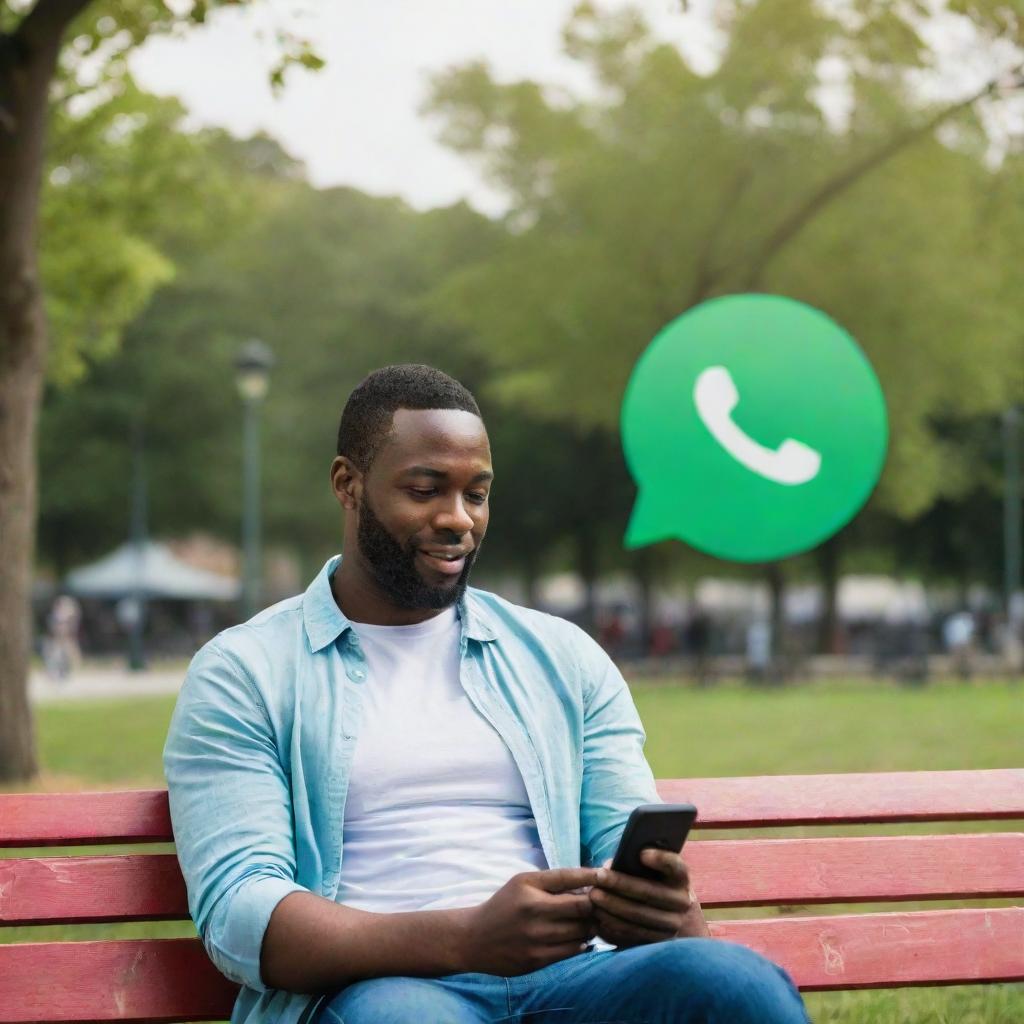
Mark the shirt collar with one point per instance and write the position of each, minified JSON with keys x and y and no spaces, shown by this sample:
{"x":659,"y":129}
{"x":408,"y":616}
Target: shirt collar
{"x":325,"y":621}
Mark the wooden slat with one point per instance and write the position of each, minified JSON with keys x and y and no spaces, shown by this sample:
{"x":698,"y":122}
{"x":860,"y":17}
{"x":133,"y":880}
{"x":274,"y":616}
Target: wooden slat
{"x":65,"y":890}
{"x":739,"y":872}
{"x":847,"y":799}
{"x":932,"y":947}
{"x":57,"y":819}
{"x":66,"y":819}
{"x":123,"y":980}
{"x":759,"y":872}
{"x":172,"y":980}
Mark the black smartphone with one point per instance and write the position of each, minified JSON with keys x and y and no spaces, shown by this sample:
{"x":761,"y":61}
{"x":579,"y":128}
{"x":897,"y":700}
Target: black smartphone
{"x":663,"y":826}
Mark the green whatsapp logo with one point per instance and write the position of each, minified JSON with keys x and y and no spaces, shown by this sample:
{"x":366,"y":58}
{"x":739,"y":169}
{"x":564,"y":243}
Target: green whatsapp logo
{"x":754,"y":428}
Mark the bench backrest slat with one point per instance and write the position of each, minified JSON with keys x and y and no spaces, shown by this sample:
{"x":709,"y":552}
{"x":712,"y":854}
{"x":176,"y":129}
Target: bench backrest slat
{"x":993,"y":794}
{"x":66,"y":890}
{"x":752,"y":872}
{"x":738,"y":872}
{"x":119,"y":980}
{"x":171,"y":979}
{"x":65,"y":819}
{"x":930,"y":947}
{"x":56,"y":819}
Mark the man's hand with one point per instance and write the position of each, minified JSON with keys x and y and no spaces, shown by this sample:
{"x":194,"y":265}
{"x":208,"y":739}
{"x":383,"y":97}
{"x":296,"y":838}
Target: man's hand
{"x":534,"y":919}
{"x":634,"y":911}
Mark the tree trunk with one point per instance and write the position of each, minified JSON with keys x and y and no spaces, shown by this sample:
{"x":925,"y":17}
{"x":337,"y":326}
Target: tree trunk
{"x":19,"y":397}
{"x":27,"y":62}
{"x":643,"y":575}
{"x":828,"y":557}
{"x":777,"y":591}
{"x":531,"y":580}
{"x":587,"y":567}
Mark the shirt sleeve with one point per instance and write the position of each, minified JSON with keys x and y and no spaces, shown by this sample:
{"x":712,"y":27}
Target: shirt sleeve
{"x":616,"y":775}
{"x":231,"y":812}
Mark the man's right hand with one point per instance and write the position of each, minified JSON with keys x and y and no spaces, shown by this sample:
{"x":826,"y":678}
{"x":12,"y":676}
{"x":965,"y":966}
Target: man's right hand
{"x":534,"y":919}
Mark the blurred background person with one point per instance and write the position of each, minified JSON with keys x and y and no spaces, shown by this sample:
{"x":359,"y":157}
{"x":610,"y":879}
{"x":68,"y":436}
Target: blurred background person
{"x":61,"y":651}
{"x":958,"y":637}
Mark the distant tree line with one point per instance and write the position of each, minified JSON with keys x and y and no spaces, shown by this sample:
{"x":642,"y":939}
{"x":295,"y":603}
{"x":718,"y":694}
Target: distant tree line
{"x":161,"y":250}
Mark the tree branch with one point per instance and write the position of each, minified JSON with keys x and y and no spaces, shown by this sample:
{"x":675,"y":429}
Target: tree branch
{"x":706,"y":274}
{"x":832,"y":189}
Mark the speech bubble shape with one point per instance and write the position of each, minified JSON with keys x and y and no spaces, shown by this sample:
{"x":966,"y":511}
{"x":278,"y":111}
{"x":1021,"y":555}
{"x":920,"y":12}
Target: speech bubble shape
{"x":754,"y":427}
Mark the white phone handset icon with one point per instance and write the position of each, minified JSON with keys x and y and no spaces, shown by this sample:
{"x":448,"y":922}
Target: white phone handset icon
{"x":716,"y":396}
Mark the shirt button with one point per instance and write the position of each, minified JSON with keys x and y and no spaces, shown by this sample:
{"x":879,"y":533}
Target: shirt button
{"x":358,"y":674}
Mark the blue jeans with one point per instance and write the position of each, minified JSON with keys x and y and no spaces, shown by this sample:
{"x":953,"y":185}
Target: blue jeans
{"x":680,"y":981}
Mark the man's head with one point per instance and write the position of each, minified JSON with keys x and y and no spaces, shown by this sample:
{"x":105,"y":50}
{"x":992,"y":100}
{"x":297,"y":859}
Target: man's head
{"x":414,"y":471}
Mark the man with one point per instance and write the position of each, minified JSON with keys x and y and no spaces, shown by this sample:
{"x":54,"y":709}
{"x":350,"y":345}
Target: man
{"x":394,"y":798}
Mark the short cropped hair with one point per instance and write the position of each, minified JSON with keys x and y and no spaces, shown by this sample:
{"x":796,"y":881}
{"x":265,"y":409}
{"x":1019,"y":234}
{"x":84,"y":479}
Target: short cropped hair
{"x":368,"y":413}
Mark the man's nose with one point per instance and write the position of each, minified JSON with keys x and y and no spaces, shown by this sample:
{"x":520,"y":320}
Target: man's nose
{"x":454,"y":518}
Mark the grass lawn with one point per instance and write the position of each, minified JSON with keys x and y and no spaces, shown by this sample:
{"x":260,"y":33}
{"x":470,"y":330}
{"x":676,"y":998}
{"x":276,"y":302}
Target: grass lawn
{"x":727,"y":730}
{"x":835,"y":728}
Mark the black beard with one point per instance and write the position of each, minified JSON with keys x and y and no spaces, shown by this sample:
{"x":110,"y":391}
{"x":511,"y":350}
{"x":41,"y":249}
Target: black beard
{"x":394,"y":567}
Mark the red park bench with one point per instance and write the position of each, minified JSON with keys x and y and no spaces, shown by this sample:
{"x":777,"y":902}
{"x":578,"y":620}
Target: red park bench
{"x":172,"y":979}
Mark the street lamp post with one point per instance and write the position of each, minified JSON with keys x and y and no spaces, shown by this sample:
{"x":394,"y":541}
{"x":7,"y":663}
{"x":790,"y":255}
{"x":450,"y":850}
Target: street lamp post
{"x":252,"y":373}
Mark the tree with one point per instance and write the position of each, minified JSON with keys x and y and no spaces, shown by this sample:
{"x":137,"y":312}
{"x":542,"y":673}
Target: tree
{"x":559,"y":493}
{"x":670,"y":187}
{"x":43,"y":48}
{"x":332,"y":280}
{"x":171,"y":196}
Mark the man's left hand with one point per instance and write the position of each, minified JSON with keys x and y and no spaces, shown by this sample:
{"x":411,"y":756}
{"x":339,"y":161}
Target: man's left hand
{"x":631,"y":911}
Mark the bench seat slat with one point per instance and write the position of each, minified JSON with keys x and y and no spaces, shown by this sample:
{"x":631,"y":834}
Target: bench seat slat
{"x":760,"y":872}
{"x":120,"y":980}
{"x":66,"y":890}
{"x":931,"y":947}
{"x":751,"y":802}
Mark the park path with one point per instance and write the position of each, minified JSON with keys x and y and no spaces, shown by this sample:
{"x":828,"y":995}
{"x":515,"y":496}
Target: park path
{"x":110,"y":680}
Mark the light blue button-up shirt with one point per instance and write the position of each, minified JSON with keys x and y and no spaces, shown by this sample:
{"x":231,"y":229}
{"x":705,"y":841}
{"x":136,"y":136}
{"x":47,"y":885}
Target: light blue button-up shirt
{"x":259,"y":755}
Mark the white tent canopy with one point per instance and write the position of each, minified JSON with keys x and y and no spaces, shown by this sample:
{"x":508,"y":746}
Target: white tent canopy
{"x":156,"y":574}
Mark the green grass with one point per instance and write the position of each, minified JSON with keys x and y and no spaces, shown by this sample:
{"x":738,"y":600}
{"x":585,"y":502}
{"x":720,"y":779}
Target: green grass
{"x":106,"y":743}
{"x":831,"y":728}
{"x":727,"y":730}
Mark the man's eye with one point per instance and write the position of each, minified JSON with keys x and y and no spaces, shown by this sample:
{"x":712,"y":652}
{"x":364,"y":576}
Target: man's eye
{"x":477,"y":499}
{"x":423,"y":492}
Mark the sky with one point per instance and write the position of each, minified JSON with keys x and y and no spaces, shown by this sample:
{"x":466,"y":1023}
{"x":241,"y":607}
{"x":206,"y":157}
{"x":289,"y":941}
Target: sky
{"x":357,"y":121}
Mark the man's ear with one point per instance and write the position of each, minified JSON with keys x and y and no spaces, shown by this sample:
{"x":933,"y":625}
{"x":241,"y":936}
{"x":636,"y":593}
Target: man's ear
{"x":346,"y":482}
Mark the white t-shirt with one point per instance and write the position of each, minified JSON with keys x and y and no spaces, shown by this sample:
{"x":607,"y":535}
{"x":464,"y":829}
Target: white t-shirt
{"x":437,"y":815}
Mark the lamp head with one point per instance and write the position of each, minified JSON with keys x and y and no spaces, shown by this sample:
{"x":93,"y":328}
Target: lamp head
{"x":252,"y":369}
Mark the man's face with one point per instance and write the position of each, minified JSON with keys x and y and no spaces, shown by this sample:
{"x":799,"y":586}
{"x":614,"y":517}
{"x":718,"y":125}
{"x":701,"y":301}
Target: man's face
{"x":422,"y":509}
